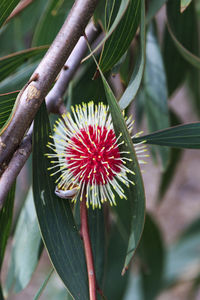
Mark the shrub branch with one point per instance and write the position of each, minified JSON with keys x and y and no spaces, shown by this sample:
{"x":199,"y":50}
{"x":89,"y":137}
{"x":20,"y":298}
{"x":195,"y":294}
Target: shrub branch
{"x":46,"y":73}
{"x":54,"y":104}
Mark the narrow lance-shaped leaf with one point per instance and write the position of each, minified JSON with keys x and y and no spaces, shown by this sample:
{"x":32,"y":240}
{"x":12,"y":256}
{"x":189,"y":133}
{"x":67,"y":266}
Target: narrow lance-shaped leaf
{"x":121,"y":38}
{"x":175,"y":72}
{"x":183,"y":255}
{"x":155,"y":87}
{"x":58,"y":229}
{"x":182,"y":136}
{"x":8,"y":64}
{"x":183,"y":29}
{"x":136,"y":78}
{"x":123,"y":7}
{"x":151,"y":253}
{"x":17,"y":80}
{"x":7,"y":102}
{"x":153,"y":8}
{"x":190,"y":57}
{"x":6,"y":221}
{"x":136,"y":196}
{"x":37,"y":296}
{"x":50,"y":22}
{"x":27,"y":237}
{"x":175,"y":156}
{"x":6,"y":7}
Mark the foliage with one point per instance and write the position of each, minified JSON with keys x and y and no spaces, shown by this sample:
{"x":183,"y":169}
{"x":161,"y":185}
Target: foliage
{"x":135,"y":70}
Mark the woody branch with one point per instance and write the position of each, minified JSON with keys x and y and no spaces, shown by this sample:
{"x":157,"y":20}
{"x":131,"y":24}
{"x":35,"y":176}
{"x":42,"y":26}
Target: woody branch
{"x":54,"y":104}
{"x":44,"y":76}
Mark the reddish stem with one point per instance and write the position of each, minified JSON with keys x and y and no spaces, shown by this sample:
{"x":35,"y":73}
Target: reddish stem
{"x":88,"y":249}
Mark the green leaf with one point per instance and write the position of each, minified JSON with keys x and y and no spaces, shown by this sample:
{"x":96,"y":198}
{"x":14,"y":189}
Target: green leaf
{"x":43,"y":285}
{"x":97,"y":236}
{"x":185,"y":4}
{"x":153,"y":8}
{"x":183,"y":255}
{"x":176,"y":72}
{"x":20,"y":28}
{"x":119,"y":41}
{"x":8,"y":64}
{"x":7,"y":102}
{"x":6,"y":221}
{"x":18,"y":79}
{"x":155,"y":87}
{"x":94,"y":90}
{"x":1,"y":294}
{"x":183,"y":29}
{"x":182,"y":136}
{"x":151,"y":253}
{"x":115,"y":284}
{"x":6,"y":7}
{"x":194,"y":88}
{"x":57,"y":226}
{"x":190,"y":57}
{"x":52,"y":19}
{"x":123,"y":7}
{"x":27,"y":237}
{"x":136,"y":78}
{"x":175,"y":156}
{"x":136,"y":196}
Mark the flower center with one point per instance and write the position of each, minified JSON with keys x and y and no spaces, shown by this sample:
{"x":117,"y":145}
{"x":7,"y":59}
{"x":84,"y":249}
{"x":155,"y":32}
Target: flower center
{"x":93,"y":156}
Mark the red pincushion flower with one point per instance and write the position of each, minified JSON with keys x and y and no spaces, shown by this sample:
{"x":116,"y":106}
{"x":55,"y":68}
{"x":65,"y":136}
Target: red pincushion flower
{"x":89,"y":155}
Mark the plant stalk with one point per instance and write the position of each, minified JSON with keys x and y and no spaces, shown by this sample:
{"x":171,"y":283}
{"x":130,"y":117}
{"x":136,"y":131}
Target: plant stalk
{"x":88,"y":249}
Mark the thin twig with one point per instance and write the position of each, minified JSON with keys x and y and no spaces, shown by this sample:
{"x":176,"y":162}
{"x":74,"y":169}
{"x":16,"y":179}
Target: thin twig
{"x":55,"y":95}
{"x":70,"y":68}
{"x":47,"y":71}
{"x":88,"y":249}
{"x":19,"y":8}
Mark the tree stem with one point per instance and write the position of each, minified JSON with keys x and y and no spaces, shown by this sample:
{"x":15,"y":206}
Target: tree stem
{"x":88,"y":249}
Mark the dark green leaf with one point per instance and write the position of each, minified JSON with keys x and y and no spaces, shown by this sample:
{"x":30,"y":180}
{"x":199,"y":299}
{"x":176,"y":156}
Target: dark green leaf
{"x":183,"y":29}
{"x":121,"y":38}
{"x":94,"y":90}
{"x":155,"y":87}
{"x":49,"y":24}
{"x":182,"y":136}
{"x":194,"y":86}
{"x":151,"y":252}
{"x":6,"y":221}
{"x":1,"y":294}
{"x":8,"y":64}
{"x":136,"y":197}
{"x":7,"y":102}
{"x":153,"y":8}
{"x":27,"y":237}
{"x":115,"y":284}
{"x":18,"y":32}
{"x":136,"y":78}
{"x":18,"y":79}
{"x":176,"y":72}
{"x":6,"y":7}
{"x":97,"y":236}
{"x":123,"y":7}
{"x":167,"y":175}
{"x":57,"y":226}
{"x":175,"y":156}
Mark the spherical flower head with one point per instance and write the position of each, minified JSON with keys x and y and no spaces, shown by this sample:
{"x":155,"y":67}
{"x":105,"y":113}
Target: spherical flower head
{"x":89,"y":156}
